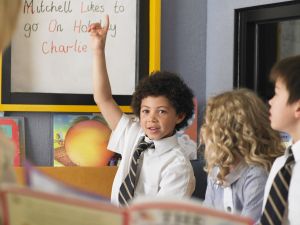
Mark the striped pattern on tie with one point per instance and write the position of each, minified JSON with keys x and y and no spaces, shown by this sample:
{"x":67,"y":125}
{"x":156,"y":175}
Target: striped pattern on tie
{"x":278,"y":196}
{"x":127,"y":187}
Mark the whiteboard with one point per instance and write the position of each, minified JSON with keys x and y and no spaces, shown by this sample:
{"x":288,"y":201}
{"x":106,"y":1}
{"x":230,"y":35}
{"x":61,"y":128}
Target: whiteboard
{"x":50,"y":51}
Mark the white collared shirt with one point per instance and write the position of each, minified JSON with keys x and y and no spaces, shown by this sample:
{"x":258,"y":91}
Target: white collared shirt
{"x":165,"y":170}
{"x":291,"y":215}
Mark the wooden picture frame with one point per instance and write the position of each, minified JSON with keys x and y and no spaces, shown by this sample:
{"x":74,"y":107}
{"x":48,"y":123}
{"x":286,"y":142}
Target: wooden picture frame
{"x":147,"y":60}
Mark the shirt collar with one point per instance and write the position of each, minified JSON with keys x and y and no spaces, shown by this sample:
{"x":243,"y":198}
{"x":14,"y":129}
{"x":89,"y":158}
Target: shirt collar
{"x":296,"y":151}
{"x":233,"y":176}
{"x":237,"y":172}
{"x":165,"y":144}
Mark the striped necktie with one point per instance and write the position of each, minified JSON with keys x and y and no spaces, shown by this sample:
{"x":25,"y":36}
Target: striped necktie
{"x":278,"y":196}
{"x":127,"y":187}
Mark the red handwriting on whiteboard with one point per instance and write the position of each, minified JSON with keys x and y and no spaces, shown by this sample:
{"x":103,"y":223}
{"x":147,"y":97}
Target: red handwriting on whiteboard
{"x":56,"y":48}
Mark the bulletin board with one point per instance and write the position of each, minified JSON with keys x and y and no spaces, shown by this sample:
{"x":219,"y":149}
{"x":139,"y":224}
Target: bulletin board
{"x":48,"y":66}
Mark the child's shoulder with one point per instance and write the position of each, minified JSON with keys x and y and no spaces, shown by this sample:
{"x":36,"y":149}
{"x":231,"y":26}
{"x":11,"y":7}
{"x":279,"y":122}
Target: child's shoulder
{"x":129,"y":121}
{"x":253,"y":176}
{"x":179,"y":157}
{"x":255,"y":172}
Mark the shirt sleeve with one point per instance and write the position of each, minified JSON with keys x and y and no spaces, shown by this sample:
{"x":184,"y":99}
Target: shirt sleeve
{"x":177,"y":180}
{"x":209,"y":194}
{"x":124,"y":135}
{"x":253,"y":193}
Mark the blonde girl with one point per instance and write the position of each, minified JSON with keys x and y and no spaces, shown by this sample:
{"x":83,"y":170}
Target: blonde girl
{"x":240,"y":147}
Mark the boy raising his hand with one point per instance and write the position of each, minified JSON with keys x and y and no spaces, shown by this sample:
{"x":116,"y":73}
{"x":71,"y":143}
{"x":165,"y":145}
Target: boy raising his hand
{"x":153,"y":163}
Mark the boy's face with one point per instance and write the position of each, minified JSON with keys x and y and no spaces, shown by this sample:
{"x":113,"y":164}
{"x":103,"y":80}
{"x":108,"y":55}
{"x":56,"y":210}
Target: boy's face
{"x":282,"y":114}
{"x":158,"y":117}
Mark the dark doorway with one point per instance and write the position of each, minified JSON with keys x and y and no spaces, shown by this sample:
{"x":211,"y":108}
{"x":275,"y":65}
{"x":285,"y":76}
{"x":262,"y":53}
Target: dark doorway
{"x":264,"y":35}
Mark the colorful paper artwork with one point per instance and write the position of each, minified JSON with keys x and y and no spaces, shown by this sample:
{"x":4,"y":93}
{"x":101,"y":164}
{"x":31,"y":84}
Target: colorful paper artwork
{"x":81,"y":140}
{"x":10,"y":128}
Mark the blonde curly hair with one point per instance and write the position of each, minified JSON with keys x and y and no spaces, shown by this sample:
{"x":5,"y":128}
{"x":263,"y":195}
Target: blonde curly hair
{"x":236,"y":126}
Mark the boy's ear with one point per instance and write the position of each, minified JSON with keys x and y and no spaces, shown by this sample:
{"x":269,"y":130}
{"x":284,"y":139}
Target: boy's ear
{"x":180,"y":117}
{"x":297,"y":111}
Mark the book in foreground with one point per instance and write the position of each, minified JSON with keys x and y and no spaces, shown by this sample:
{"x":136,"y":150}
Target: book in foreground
{"x":21,"y":205}
{"x":40,"y":181}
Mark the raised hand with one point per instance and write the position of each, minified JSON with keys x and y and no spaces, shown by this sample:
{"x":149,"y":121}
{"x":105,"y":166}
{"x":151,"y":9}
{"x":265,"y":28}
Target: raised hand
{"x":98,"y":33}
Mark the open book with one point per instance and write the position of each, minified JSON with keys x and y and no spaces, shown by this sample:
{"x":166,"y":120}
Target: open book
{"x":22,"y":205}
{"x":40,"y":181}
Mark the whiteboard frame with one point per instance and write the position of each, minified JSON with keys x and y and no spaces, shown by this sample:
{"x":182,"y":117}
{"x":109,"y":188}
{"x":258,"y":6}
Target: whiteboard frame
{"x":148,"y":61}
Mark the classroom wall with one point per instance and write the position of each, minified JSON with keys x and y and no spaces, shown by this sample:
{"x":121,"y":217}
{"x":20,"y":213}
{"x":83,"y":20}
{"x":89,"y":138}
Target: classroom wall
{"x":196,"y":42}
{"x":183,"y":43}
{"x":38,"y":137}
{"x":220,"y":42}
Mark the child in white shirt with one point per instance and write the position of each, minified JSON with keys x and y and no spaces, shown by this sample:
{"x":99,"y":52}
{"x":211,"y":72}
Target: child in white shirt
{"x":162,"y":104}
{"x":285,"y":117}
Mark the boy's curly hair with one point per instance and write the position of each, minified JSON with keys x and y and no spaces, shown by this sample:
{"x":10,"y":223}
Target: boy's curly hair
{"x":236,"y":125}
{"x":169,"y":85}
